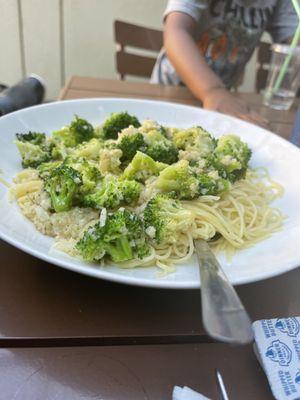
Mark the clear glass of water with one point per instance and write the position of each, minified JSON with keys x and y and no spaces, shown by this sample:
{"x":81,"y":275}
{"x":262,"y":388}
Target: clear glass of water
{"x":282,"y":97}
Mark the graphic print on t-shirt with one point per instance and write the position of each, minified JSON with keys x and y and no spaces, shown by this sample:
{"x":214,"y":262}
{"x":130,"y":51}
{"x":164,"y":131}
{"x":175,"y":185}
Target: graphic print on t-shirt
{"x":226,"y":51}
{"x":228,"y":44}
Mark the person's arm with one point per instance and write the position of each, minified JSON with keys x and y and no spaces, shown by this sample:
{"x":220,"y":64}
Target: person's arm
{"x":183,"y":52}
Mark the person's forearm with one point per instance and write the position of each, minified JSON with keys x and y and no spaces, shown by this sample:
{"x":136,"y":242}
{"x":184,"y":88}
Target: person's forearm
{"x":180,"y":47}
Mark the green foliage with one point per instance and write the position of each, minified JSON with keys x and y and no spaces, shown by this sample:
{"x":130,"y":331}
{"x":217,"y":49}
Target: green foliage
{"x":120,"y":237}
{"x":116,"y":122}
{"x":63,"y":184}
{"x":165,"y":219}
{"x":112,"y":193}
{"x":179,"y":180}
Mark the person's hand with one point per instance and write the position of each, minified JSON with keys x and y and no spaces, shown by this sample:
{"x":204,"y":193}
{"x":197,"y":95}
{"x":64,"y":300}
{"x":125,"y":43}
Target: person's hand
{"x":220,"y":99}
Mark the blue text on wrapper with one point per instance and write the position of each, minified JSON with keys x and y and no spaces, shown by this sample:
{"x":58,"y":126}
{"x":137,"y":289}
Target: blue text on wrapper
{"x":290,"y":326}
{"x":279,"y":352}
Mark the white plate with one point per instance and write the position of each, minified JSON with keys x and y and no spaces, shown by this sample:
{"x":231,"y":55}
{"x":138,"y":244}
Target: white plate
{"x":271,"y":257}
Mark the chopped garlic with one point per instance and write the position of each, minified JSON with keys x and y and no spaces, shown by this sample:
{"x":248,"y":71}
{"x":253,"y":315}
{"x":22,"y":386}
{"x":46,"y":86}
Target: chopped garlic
{"x":103,"y":216}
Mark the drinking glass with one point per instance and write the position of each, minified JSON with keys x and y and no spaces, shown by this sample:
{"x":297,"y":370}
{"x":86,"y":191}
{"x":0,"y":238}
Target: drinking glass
{"x":280,"y":93}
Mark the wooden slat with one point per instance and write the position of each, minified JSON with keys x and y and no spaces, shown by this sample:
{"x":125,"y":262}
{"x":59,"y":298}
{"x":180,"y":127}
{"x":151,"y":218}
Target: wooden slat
{"x":132,"y":64}
{"x":63,"y":92}
{"x":263,"y":57}
{"x":261,"y":79}
{"x":128,"y":34}
{"x":130,"y":373}
{"x":42,"y":42}
{"x":264,"y":53}
{"x":130,"y":88}
{"x":81,"y":94}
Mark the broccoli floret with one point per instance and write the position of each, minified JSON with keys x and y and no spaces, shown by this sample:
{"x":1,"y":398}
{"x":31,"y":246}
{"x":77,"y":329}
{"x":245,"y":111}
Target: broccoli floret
{"x":165,"y":219}
{"x":195,"y":139}
{"x":45,"y":169}
{"x":142,"y":167}
{"x":32,"y":137}
{"x":77,"y":132}
{"x":160,"y":148}
{"x":116,"y":122}
{"x":65,"y":137}
{"x":113,"y":192}
{"x":163,"y":130}
{"x":63,"y":185}
{"x":110,"y":144}
{"x":32,"y":154}
{"x":81,"y":129}
{"x":34,"y":148}
{"x":58,"y":151}
{"x":89,"y":150}
{"x":121,"y":237}
{"x":109,"y":161}
{"x":152,"y":142}
{"x":89,"y":173}
{"x":178,"y":179}
{"x":130,"y":142}
{"x":212,"y":186}
{"x":231,"y":157}
{"x":150,"y":125}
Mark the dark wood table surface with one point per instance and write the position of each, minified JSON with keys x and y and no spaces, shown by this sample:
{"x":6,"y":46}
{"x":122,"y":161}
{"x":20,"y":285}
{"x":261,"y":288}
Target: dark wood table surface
{"x":69,"y":336}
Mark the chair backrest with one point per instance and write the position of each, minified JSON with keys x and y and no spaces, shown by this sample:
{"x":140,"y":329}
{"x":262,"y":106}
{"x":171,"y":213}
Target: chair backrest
{"x":262,"y":65}
{"x":140,"y":37}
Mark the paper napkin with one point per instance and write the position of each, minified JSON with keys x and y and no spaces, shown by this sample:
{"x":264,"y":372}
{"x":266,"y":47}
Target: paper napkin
{"x":186,"y":393}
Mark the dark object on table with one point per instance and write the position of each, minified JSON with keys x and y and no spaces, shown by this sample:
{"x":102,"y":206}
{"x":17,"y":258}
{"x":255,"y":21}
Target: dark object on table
{"x":2,"y":87}
{"x":28,"y":92}
{"x":295,"y":134}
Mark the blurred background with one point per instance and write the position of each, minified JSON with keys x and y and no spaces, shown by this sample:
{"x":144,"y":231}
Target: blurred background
{"x":59,"y":38}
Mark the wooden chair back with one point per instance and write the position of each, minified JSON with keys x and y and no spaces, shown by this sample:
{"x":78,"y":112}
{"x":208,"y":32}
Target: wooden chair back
{"x":139,"y":37}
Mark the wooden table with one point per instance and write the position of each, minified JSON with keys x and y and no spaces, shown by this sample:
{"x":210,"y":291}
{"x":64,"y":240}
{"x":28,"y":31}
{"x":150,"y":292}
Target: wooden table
{"x":64,"y":335}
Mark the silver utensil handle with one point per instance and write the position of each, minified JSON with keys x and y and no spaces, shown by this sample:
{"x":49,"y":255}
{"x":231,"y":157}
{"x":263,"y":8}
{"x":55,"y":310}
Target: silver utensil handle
{"x":224,"y":316}
{"x":221,"y":386}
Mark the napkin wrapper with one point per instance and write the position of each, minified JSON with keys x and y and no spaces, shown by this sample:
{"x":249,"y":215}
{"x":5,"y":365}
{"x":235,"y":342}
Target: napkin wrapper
{"x":277,"y":346}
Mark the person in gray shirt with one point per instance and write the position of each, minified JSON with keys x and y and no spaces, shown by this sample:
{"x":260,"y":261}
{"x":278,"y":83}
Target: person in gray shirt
{"x":208,"y":43}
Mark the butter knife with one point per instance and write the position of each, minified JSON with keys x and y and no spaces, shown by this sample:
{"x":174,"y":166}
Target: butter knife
{"x":223,"y":314}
